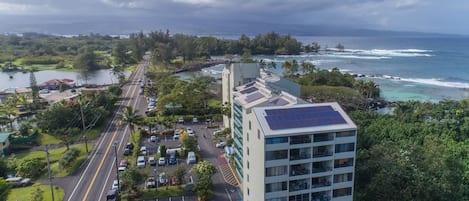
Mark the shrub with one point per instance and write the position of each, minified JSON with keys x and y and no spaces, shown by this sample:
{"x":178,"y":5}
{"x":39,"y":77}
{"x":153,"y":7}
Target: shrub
{"x":68,"y":157}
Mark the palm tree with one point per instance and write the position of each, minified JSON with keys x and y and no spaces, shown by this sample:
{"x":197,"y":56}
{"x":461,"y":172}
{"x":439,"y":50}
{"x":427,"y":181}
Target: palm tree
{"x":307,"y":67}
{"x":130,"y":117}
{"x":290,"y":68}
{"x":272,"y":65}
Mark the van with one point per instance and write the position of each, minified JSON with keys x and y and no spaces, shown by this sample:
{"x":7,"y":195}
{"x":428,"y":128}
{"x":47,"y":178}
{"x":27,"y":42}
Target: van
{"x":191,"y":158}
{"x":141,"y":162}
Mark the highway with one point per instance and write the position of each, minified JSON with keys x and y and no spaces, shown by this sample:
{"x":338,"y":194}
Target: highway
{"x":98,"y":171}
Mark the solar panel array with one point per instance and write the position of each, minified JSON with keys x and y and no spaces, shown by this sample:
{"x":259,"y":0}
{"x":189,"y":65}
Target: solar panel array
{"x":303,"y":117}
{"x":249,"y":84}
{"x":249,"y":90}
{"x":252,"y":97}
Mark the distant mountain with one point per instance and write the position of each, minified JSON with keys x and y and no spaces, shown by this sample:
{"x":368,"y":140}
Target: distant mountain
{"x":121,"y":25}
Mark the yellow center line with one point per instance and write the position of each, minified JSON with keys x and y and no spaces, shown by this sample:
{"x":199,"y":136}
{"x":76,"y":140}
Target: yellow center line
{"x":85,"y":197}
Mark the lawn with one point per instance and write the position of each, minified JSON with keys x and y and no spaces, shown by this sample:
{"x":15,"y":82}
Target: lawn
{"x":47,"y":139}
{"x":214,"y":103}
{"x":54,"y":157}
{"x":172,"y":191}
{"x":24,"y":194}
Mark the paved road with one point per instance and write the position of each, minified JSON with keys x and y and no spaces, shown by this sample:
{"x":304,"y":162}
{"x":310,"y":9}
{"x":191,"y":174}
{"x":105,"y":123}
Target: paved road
{"x":98,"y":172}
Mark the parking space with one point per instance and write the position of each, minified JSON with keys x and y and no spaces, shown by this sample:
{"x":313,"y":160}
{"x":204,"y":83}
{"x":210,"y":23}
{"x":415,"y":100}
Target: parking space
{"x":182,"y":198}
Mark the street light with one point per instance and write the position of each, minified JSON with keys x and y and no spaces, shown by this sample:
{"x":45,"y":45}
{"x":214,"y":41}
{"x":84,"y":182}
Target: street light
{"x":117,"y":167}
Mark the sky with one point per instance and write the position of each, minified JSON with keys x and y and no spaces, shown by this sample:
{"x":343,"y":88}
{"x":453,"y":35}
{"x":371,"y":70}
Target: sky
{"x":113,"y":16}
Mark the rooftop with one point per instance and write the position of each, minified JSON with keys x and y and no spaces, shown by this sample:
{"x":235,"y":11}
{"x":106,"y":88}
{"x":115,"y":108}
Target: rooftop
{"x":258,"y":94}
{"x":277,"y":120}
{"x":4,"y":136}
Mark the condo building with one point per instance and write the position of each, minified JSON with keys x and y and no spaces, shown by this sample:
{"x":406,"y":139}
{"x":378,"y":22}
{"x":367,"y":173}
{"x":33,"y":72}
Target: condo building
{"x":286,"y":149}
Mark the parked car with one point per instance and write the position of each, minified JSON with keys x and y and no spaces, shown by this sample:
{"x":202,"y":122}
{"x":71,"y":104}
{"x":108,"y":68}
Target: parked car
{"x":126,"y":151}
{"x":162,"y":178}
{"x":151,"y":182}
{"x":121,"y":169}
{"x":115,"y":184}
{"x":123,"y":163}
{"x":195,"y":120}
{"x":220,"y":144}
{"x":190,"y":132}
{"x":153,"y":138}
{"x":18,"y":182}
{"x":176,"y":134}
{"x":152,"y":161}
{"x":172,"y":160}
{"x":162,"y":161}
{"x":141,"y":161}
{"x":129,"y":146}
{"x":208,"y":121}
{"x":143,"y":150}
{"x":217,"y":132}
{"x":181,"y":120}
{"x":111,"y":194}
{"x":191,"y":159}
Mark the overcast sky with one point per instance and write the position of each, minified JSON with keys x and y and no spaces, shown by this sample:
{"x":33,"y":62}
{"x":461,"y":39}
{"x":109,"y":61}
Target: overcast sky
{"x":436,"y":16}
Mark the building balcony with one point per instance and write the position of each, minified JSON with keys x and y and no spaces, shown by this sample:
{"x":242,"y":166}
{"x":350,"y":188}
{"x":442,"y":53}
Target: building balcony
{"x":323,"y":137}
{"x":300,"y":154}
{"x":322,"y":154}
{"x":301,"y":169}
{"x":298,"y":185}
{"x":302,"y":139}
{"x":320,"y":196}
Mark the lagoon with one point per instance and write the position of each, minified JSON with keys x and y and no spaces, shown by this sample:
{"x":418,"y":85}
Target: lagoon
{"x":19,"y":79}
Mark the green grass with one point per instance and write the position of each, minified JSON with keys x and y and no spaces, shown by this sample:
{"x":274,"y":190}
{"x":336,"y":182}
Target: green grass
{"x":172,"y":191}
{"x":24,"y":194}
{"x":54,"y":157}
{"x":47,"y":139}
{"x":214,"y":103}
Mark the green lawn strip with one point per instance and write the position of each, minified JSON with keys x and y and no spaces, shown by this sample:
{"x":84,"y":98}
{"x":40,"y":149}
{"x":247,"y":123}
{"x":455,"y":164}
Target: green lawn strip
{"x":45,"y":138}
{"x":214,"y":103}
{"x":24,"y":193}
{"x":55,"y":156}
{"x":172,"y":191}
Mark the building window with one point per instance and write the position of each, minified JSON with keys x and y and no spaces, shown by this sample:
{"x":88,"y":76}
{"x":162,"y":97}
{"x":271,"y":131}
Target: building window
{"x":322,"y":137}
{"x":338,"y":178}
{"x":274,"y":187}
{"x":301,"y":139}
{"x":276,"y":140}
{"x":258,"y":134}
{"x":276,"y":155}
{"x":339,"y":148}
{"x":247,"y":177}
{"x":277,"y":199}
{"x":345,"y":134}
{"x":249,"y":125}
{"x":248,"y":164}
{"x":248,"y":191}
{"x":275,"y":171}
{"x":247,"y":137}
{"x":247,"y":150}
{"x":342,"y":192}
{"x":347,"y":162}
{"x":302,"y":197}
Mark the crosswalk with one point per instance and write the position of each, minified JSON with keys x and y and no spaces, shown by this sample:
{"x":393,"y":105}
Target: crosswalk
{"x":224,"y":168}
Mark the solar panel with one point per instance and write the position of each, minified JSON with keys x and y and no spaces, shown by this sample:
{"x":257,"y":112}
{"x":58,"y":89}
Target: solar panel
{"x":253,"y":97}
{"x":249,"y":90}
{"x":303,"y":117}
{"x":249,"y":84}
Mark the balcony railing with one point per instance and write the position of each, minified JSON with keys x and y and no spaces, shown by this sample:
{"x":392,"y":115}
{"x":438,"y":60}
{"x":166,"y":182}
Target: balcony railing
{"x":321,"y":169}
{"x":322,"y":154}
{"x":297,"y":170}
{"x":321,"y":184}
{"x":298,"y":186}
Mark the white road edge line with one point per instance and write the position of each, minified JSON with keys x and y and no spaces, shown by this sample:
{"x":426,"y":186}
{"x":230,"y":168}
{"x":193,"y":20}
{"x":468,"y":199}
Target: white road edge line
{"x":99,"y":146}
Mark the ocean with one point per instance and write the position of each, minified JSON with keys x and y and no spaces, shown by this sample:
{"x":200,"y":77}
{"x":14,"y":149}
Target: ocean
{"x":422,"y":69}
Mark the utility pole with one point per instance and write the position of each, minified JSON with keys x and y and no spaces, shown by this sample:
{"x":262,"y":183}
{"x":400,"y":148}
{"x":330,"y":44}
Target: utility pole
{"x":117,"y":167}
{"x":48,"y":169}
{"x":84,"y":127}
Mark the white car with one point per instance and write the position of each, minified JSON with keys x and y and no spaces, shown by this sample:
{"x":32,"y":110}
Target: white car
{"x":121,"y":169}
{"x":220,"y":144}
{"x":143,"y":150}
{"x":176,"y":134}
{"x":195,"y":120}
{"x":153,"y":138}
{"x":162,"y":161}
{"x":141,"y":161}
{"x":115,"y":184}
{"x":190,"y":132}
{"x":152,"y":161}
{"x":180,"y":120}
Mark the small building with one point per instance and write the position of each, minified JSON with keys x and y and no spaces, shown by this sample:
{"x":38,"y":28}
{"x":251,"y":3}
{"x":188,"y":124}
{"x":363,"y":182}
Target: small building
{"x":5,"y":142}
{"x":54,"y":84}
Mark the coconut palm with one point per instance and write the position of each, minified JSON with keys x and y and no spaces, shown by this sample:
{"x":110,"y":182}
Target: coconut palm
{"x":307,"y":67}
{"x":130,"y":117}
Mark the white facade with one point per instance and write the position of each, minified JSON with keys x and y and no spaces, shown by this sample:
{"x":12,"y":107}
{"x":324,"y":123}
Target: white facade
{"x":298,"y":164}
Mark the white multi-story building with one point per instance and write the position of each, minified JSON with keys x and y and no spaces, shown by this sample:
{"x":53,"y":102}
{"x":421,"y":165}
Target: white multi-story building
{"x":287,"y":149}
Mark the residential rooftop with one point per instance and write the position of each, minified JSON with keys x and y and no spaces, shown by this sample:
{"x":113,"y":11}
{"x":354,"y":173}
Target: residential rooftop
{"x":304,"y":118}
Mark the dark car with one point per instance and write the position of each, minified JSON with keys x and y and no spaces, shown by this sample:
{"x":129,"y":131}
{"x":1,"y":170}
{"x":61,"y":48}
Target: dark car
{"x":111,"y":194}
{"x":172,"y":160}
{"x":126,"y":151}
{"x":129,"y":146}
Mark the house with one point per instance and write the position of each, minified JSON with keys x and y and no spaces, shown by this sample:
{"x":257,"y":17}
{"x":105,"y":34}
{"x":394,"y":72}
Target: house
{"x":5,"y":142}
{"x":54,"y":84}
